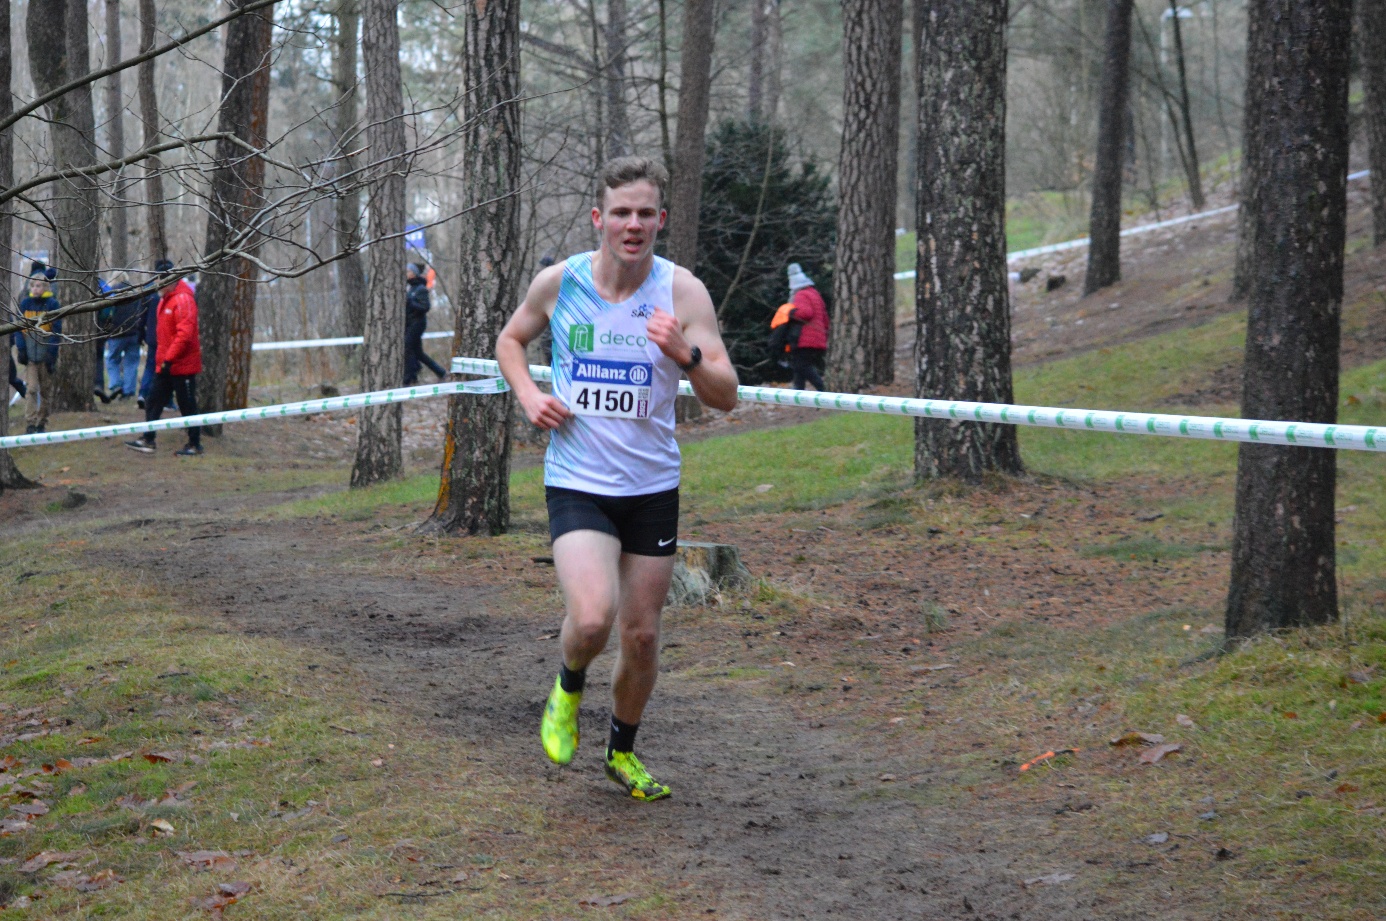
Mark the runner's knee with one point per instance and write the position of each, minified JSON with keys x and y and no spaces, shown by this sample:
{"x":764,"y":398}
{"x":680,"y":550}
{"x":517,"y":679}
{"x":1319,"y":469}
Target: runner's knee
{"x":640,"y":643}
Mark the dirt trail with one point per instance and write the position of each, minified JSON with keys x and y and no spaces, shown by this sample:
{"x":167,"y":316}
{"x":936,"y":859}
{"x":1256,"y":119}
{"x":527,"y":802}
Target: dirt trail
{"x":771,"y":818}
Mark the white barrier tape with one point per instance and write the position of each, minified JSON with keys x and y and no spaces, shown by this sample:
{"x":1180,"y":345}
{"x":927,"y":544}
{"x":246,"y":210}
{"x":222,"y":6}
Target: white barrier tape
{"x":1209,"y":428}
{"x":327,"y":405}
{"x":324,"y":343}
{"x":1129,"y":232}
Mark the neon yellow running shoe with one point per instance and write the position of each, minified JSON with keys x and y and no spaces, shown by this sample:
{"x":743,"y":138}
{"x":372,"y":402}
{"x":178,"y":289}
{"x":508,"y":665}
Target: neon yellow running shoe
{"x":626,"y":770}
{"x":559,"y":729}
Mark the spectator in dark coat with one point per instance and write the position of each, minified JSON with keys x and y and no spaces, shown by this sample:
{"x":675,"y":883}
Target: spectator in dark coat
{"x":416,"y":307}
{"x":149,"y":334}
{"x":177,"y":361}
{"x":122,"y":323}
{"x":38,"y":348}
{"x":806,"y":356}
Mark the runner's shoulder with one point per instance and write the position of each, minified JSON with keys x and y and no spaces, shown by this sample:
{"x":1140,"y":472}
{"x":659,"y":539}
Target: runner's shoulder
{"x":543,"y":290}
{"x":689,"y":291}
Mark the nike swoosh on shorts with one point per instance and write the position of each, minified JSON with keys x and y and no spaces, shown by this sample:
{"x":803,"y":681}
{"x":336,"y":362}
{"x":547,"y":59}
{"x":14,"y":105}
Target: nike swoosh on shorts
{"x":665,"y":543}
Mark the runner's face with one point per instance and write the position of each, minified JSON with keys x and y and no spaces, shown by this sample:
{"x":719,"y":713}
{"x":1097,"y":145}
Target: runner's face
{"x":37,"y":286}
{"x":629,"y":220}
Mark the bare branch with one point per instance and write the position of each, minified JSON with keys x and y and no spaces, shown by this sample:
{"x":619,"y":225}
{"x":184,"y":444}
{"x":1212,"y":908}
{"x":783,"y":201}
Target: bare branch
{"x":96,"y":75}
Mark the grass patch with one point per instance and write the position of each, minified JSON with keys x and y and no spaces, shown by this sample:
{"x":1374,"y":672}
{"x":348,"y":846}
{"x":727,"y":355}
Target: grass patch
{"x":1149,"y":549}
{"x":325,"y":801}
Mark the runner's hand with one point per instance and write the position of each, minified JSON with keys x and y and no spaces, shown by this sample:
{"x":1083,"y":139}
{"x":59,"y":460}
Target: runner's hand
{"x":545,"y":411}
{"x":667,"y":332}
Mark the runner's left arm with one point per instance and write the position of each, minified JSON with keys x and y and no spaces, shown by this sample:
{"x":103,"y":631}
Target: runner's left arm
{"x":694,"y":322}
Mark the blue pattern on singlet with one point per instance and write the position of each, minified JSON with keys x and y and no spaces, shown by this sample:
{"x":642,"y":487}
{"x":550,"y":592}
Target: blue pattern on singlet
{"x":597,"y":454}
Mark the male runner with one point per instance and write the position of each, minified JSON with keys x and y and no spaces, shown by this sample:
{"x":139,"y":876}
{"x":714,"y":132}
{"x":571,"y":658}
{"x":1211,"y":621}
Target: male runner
{"x":624,"y":323}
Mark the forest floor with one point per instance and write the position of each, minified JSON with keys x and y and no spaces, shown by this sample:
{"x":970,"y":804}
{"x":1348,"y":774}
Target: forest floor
{"x":279,"y":687}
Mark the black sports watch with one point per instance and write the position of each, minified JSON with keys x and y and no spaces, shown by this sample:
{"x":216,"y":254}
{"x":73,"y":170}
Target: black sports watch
{"x":695,"y":358}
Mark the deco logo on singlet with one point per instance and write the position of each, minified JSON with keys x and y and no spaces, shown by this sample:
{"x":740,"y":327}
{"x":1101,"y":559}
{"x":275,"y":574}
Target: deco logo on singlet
{"x":582,"y":337}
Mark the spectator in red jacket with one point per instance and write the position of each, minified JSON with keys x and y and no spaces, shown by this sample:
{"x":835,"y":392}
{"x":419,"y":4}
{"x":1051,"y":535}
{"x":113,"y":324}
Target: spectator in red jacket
{"x":177,"y":359}
{"x":806,"y":357}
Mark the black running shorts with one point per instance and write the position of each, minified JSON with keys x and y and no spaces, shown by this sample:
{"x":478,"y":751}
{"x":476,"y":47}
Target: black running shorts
{"x":646,"y":525}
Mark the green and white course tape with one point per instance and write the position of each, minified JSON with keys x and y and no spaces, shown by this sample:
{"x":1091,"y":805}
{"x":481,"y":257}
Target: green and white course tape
{"x":326,"y":405}
{"x":1208,"y":428}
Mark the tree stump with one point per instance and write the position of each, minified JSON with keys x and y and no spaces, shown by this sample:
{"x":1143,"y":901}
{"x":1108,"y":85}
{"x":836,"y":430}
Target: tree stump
{"x":702,"y":570}
{"x":687,"y":409}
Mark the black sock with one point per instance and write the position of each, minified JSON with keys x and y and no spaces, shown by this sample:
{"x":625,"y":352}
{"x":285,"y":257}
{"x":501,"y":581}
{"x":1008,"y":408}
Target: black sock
{"x":622,"y":737}
{"x":572,"y":682}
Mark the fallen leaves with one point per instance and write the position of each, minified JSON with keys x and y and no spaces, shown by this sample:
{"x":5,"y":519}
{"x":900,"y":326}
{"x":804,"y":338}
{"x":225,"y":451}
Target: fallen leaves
{"x":1154,"y":754}
{"x":226,"y":894}
{"x":31,"y":809}
{"x":82,"y":882}
{"x":1155,"y":746}
{"x":44,"y":859}
{"x":1138,"y":738}
{"x":208,"y":860}
{"x":1046,"y":756}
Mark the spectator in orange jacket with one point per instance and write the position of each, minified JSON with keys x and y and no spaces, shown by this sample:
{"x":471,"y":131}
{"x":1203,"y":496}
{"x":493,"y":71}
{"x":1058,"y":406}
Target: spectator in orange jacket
{"x":177,"y":359}
{"x":806,"y":356}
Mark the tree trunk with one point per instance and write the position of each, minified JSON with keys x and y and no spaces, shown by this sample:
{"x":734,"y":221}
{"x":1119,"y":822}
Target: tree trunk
{"x":115,"y":126}
{"x":774,"y":62}
{"x":10,"y":477}
{"x":662,"y":85}
{"x":474,"y":490}
{"x":149,"y":116}
{"x":617,"y":123}
{"x":755,"y":77}
{"x":1104,"y":225}
{"x":962,"y":313}
{"x":1283,"y":572}
{"x":695,"y":83}
{"x":1191,"y":160}
{"x":1371,"y":45}
{"x":58,"y":53}
{"x":861,"y":351}
{"x":226,"y":295}
{"x":378,"y":431}
{"x":351,"y":278}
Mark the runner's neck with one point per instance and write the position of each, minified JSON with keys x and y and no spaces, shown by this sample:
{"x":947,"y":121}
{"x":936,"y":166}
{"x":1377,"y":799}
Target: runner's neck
{"x":617,"y":281}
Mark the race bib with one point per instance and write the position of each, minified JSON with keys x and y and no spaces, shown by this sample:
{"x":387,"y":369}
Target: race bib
{"x":616,"y":389}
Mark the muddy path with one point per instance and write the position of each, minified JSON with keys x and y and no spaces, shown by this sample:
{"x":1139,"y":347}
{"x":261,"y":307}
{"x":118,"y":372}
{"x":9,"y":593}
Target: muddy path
{"x":773,"y":815}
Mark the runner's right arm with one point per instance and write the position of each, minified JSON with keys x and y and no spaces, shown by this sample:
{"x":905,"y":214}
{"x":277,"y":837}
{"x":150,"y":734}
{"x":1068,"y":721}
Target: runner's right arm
{"x":542,"y":409}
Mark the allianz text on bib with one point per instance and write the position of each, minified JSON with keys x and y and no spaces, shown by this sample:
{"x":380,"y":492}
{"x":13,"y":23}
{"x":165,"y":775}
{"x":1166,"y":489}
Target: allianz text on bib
{"x":611,"y":370}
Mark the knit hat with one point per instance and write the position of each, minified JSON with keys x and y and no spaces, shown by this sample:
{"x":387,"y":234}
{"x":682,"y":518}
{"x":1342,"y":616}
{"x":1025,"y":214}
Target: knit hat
{"x":797,"y":278}
{"x":38,"y":269}
{"x":415,"y":269}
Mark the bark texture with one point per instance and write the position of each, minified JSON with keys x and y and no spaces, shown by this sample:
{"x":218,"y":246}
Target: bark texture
{"x":690,"y":144}
{"x":59,"y":52}
{"x":156,"y":223}
{"x":1283,"y":568}
{"x":378,"y":431}
{"x":1371,"y":45}
{"x":1104,"y":224}
{"x":226,"y":295}
{"x":115,"y":127}
{"x":10,"y":477}
{"x":351,"y":277}
{"x":755,"y":71}
{"x":861,"y":352}
{"x":474,"y":490}
{"x":617,"y":122}
{"x":962,"y":313}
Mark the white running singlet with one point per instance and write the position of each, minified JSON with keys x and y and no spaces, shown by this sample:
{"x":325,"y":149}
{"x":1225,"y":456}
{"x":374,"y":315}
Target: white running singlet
{"x":619,"y":386}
